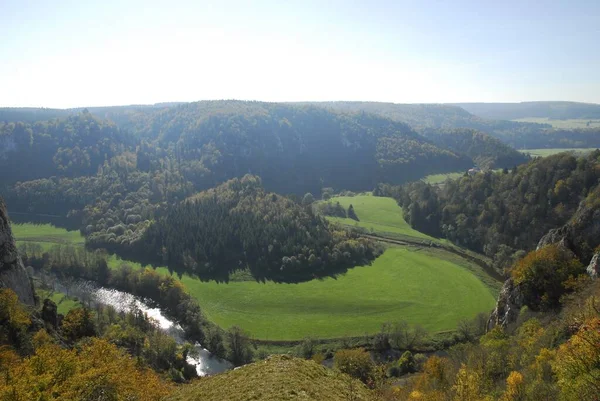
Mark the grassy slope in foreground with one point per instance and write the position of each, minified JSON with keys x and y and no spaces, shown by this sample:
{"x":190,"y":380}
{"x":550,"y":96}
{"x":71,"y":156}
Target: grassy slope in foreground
{"x":376,"y":213}
{"x":421,"y":286}
{"x":279,"y":377}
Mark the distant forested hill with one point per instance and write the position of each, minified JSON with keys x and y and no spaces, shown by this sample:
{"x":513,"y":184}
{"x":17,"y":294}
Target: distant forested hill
{"x":113,"y":180}
{"x":551,"y":110}
{"x":293,"y":149}
{"x":445,"y":116}
{"x":485,"y":150}
{"x":434,"y":116}
{"x":70,"y":147}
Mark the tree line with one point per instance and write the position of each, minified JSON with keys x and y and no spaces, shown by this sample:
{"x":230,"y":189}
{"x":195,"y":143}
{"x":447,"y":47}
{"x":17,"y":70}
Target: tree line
{"x":501,"y":213}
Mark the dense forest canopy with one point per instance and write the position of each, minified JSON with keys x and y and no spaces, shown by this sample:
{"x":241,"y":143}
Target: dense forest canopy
{"x":239,"y":226}
{"x":517,"y":134}
{"x":486,"y":151}
{"x":106,"y":178}
{"x":70,"y":147}
{"x":501,"y":213}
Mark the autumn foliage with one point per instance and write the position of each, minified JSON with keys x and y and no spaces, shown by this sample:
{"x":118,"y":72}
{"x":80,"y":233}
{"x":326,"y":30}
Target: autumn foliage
{"x":97,"y":371}
{"x":543,"y":275}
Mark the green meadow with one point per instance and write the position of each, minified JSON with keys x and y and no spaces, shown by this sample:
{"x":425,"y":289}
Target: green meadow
{"x":377,"y":214}
{"x":63,"y":302}
{"x":424,"y":286}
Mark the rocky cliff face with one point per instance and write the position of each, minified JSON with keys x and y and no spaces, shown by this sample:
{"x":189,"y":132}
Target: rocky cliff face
{"x":581,"y":235}
{"x":510,"y":302}
{"x":593,"y":268}
{"x":12,"y":272}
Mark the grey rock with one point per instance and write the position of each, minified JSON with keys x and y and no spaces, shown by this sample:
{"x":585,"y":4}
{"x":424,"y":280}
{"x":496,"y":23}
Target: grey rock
{"x":510,"y":302}
{"x":49,"y":313}
{"x":593,"y":268}
{"x":12,"y":272}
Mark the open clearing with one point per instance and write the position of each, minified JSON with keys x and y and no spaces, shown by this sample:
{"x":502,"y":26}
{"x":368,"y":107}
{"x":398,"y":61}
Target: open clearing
{"x":377,"y":214}
{"x":63,"y":302}
{"x":550,"y":152}
{"x":425,"y":286}
{"x":435,"y":179}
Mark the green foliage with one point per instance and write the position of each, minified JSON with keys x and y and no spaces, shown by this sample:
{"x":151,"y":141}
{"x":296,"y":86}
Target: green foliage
{"x":487,"y":211}
{"x":405,"y":364}
{"x":239,"y":226}
{"x":238,"y":346}
{"x":351,"y":213}
{"x":486,"y":151}
{"x":74,"y":146}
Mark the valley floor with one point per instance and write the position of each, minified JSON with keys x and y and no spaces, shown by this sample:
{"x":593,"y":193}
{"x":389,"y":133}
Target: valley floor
{"x":419,"y":285}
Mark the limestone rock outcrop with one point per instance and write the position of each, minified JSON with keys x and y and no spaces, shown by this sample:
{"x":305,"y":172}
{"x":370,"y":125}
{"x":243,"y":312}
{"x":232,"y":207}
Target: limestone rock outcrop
{"x":12,"y":272}
{"x":510,"y":301}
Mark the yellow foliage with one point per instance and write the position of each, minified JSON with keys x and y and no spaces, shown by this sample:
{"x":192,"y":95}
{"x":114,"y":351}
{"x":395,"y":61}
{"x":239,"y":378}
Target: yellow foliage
{"x":527,"y":268}
{"x":515,"y":387}
{"x":11,"y":311}
{"x":437,"y":375}
{"x":468,"y":385}
{"x":99,"y":371}
{"x":577,"y":364}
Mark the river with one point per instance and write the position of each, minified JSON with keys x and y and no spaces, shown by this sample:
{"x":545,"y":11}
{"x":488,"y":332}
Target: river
{"x":206,"y":364}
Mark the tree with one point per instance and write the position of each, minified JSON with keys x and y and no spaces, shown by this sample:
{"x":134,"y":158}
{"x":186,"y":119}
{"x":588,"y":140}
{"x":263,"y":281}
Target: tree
{"x":577,"y":365}
{"x":308,"y":199}
{"x":307,"y":348}
{"x":542,"y":275}
{"x":515,"y":387}
{"x":352,"y":213}
{"x":356,"y":363}
{"x":238,"y":346}
{"x":78,"y":324}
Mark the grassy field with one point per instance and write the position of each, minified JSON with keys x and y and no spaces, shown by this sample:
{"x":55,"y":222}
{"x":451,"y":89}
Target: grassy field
{"x":425,"y":286}
{"x":64,"y":304}
{"x":404,"y":283}
{"x":46,"y":233}
{"x":563,"y":124}
{"x":435,"y":179}
{"x":550,"y":152}
{"x":378,"y":214}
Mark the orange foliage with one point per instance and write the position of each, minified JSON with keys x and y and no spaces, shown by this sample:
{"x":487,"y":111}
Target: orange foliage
{"x":99,"y":371}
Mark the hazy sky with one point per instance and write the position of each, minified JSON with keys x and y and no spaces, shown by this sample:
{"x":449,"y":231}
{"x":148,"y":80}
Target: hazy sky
{"x":82,"y":53}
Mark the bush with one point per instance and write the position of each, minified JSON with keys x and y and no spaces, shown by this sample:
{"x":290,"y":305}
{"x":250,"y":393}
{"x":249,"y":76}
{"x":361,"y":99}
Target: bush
{"x":543,"y":275}
{"x":356,"y":363}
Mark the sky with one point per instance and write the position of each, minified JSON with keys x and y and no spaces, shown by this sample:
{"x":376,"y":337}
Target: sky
{"x":63,"y":54}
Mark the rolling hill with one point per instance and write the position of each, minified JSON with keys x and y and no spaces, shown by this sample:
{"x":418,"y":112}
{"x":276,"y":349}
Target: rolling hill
{"x":550,"y":110}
